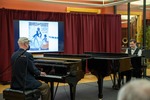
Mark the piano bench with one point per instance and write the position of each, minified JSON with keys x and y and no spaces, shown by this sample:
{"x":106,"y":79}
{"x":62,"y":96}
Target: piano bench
{"x":11,"y":94}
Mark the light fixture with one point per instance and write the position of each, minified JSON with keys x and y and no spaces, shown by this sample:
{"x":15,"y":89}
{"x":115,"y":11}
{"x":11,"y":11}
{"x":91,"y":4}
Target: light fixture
{"x":87,"y":4}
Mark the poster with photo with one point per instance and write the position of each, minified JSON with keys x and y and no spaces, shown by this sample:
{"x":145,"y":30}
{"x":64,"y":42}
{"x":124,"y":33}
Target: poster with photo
{"x":38,"y":34}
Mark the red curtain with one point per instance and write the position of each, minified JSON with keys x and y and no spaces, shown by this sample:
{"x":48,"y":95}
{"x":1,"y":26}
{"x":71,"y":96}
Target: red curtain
{"x":83,"y":32}
{"x":90,"y":32}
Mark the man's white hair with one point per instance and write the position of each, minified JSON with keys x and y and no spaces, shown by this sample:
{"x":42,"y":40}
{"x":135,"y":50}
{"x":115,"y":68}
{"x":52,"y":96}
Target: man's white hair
{"x":138,"y":89}
{"x":23,"y":40}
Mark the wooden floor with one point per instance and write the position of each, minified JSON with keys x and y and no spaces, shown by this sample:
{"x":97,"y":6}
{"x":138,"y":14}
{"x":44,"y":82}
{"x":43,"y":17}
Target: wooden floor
{"x":87,"y":78}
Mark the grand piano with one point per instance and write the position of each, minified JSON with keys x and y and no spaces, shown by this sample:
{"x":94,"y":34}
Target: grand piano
{"x":62,"y":68}
{"x":104,"y":64}
{"x":71,"y":68}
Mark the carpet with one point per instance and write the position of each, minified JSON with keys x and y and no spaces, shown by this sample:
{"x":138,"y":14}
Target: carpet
{"x":85,"y":91}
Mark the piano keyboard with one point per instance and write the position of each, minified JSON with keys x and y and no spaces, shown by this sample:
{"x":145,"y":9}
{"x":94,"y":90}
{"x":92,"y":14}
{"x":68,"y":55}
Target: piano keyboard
{"x":53,"y":76}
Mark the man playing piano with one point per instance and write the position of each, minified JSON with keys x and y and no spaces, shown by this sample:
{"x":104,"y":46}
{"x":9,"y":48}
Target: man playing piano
{"x":135,"y":61}
{"x":24,"y":71}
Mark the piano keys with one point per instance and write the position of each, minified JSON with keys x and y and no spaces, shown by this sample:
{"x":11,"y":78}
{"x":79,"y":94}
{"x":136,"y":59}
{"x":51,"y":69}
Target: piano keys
{"x":62,"y":68}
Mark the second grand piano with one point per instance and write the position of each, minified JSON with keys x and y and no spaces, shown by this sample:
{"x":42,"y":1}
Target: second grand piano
{"x":104,"y":64}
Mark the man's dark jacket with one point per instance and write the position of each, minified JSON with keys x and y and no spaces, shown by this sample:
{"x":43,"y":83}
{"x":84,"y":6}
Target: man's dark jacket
{"x":24,"y":71}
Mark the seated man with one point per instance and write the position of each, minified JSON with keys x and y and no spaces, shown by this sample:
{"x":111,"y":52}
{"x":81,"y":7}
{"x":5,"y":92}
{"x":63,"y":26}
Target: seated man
{"x":135,"y":61}
{"x":24,"y":71}
{"x":138,"y":89}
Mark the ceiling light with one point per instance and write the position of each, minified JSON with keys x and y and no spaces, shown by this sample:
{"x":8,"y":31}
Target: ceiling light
{"x":140,"y":2}
{"x":88,"y":4}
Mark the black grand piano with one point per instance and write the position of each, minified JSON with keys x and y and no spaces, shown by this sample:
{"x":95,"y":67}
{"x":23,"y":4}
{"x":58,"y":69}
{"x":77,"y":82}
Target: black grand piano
{"x":71,"y":68}
{"x":104,"y":64}
{"x":62,"y":68}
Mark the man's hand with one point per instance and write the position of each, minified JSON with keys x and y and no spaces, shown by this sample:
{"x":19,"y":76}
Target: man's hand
{"x":42,"y":74}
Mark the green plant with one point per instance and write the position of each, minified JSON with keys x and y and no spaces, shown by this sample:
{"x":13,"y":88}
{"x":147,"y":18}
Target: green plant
{"x":148,"y":37}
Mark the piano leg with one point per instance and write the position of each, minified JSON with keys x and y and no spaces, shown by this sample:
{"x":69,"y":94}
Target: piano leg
{"x":115,"y":86}
{"x":115,"y":70}
{"x":100,"y":86}
{"x":120,"y":77}
{"x":72,"y":90}
{"x":52,"y":90}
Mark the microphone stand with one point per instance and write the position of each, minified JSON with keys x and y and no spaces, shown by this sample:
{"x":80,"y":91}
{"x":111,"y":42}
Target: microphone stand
{"x":26,"y":67}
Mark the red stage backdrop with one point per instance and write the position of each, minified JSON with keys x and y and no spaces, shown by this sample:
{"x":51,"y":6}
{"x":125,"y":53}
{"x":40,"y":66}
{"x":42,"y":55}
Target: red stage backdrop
{"x":83,"y":32}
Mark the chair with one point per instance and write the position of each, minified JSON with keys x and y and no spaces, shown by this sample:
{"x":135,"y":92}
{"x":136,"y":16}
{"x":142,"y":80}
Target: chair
{"x":11,"y":94}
